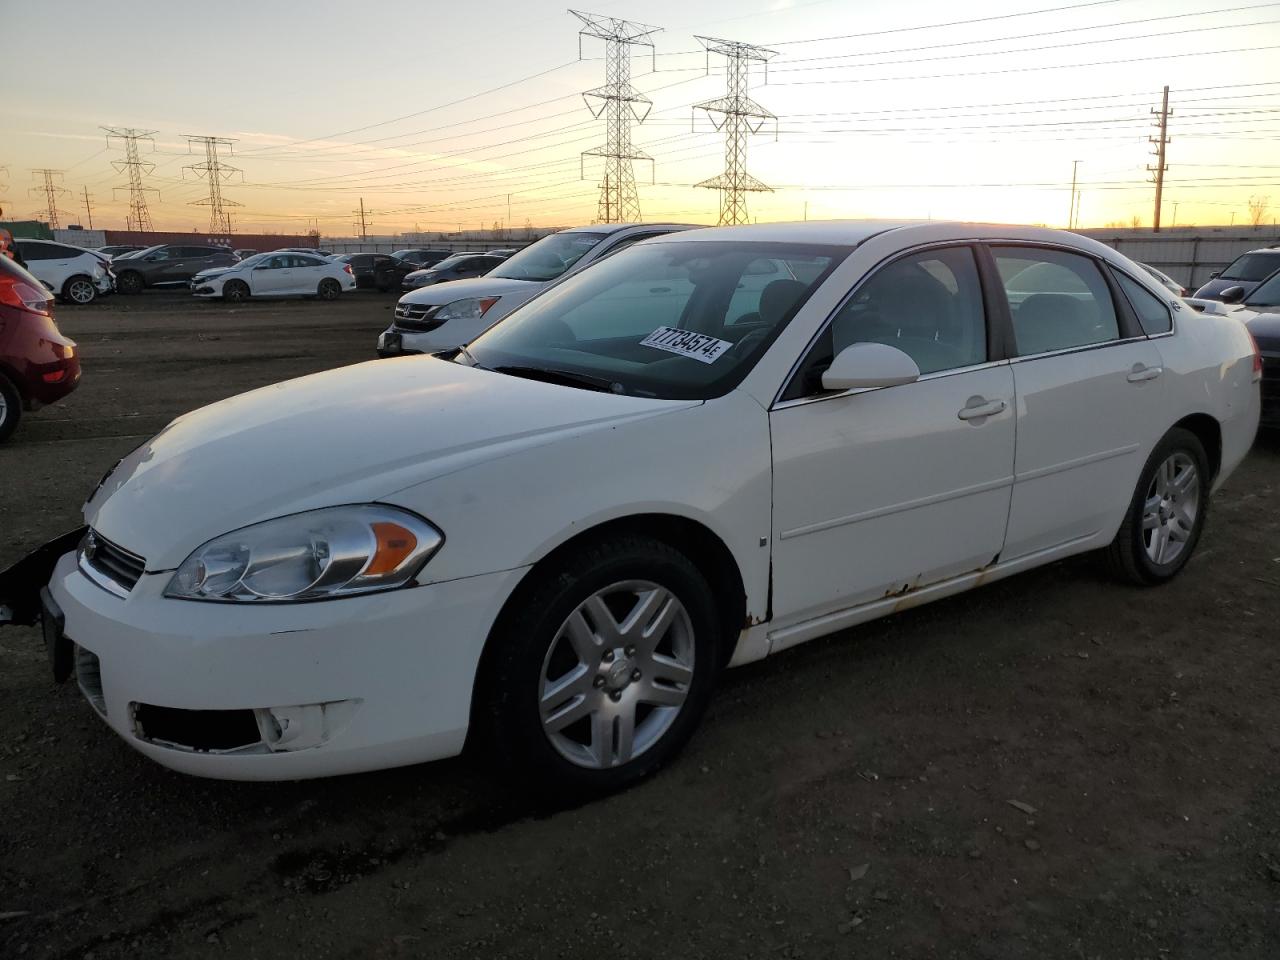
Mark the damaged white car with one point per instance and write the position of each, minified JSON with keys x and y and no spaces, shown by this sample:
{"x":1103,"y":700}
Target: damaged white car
{"x":662,"y":466}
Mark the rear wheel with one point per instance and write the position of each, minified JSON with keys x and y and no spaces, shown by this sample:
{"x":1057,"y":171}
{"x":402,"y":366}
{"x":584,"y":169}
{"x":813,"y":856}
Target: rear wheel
{"x":1167,"y":514}
{"x":234,"y":291}
{"x":10,"y":408}
{"x":329,"y":289}
{"x":602,"y":670}
{"x":79,"y":289}
{"x":129,"y":282}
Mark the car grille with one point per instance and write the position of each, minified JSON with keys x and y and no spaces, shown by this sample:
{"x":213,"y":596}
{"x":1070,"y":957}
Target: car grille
{"x":413,"y":316}
{"x":111,"y":561}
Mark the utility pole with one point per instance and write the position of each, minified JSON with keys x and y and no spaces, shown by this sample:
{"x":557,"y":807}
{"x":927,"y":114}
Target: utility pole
{"x":739,"y":116}
{"x":88,"y":209}
{"x":139,"y":217}
{"x":1071,"y":218}
{"x":1161,"y":142}
{"x":619,"y":102}
{"x":1175,"y":213}
{"x":806,"y":211}
{"x":51,"y":191}
{"x":217,"y":173}
{"x":363,"y":224}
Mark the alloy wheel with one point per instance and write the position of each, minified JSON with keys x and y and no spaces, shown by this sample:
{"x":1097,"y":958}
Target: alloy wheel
{"x":81,"y":291}
{"x":617,"y":674}
{"x":1170,"y":510}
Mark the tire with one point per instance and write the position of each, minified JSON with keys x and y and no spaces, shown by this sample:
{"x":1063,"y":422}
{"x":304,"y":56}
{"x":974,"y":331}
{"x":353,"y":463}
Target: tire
{"x":129,"y":282}
{"x":329,"y":289}
{"x":10,"y":408}
{"x":1167,"y":514}
{"x":79,"y":290}
{"x":573,"y":743}
{"x":235,"y":291}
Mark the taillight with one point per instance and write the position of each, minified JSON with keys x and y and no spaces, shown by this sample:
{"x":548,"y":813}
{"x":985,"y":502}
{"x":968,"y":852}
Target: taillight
{"x":20,"y":294}
{"x":347,"y":269}
{"x":1257,"y":358}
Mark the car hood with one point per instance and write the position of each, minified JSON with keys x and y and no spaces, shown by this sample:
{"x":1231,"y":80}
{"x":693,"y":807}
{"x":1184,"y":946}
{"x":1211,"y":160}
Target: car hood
{"x":475,"y":287}
{"x":212,"y":272}
{"x":351,"y":435}
{"x":1213,"y":289}
{"x":1265,"y":328}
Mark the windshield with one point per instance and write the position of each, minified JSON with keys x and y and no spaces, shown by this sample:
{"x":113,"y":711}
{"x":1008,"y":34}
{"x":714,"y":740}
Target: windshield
{"x":139,"y":253}
{"x":247,"y":261}
{"x":448,"y":262}
{"x":1267,"y":293}
{"x":548,"y":258}
{"x":678,"y":320}
{"x":1251,"y":267}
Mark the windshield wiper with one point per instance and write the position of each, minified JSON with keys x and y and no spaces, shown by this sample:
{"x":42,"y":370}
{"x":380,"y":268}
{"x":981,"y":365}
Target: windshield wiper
{"x":565,"y":377}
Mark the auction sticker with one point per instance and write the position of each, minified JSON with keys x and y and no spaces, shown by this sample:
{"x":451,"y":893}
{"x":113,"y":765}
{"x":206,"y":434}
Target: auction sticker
{"x":686,"y":343}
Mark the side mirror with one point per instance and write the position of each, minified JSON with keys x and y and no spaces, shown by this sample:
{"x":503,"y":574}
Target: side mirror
{"x":1232,"y":294}
{"x":1215,"y":275}
{"x":862,"y":365}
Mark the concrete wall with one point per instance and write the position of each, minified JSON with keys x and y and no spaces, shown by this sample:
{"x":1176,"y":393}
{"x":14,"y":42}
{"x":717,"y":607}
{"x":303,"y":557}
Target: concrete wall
{"x":1188,"y":254}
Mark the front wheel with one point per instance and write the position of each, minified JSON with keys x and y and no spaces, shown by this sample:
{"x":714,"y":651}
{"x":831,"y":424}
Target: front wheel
{"x":10,"y":408}
{"x":235,"y":291}
{"x":1167,"y":514}
{"x":603,"y":669}
{"x":329,"y":289}
{"x":79,"y":290}
{"x":129,"y":282}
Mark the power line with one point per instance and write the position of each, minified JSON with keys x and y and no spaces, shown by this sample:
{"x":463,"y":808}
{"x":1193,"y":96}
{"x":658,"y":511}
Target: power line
{"x":740,"y":116}
{"x":215,"y":172}
{"x":139,"y":216}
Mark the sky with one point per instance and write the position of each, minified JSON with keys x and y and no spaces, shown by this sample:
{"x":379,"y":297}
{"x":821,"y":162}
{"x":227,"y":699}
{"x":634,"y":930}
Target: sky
{"x":442,"y":116}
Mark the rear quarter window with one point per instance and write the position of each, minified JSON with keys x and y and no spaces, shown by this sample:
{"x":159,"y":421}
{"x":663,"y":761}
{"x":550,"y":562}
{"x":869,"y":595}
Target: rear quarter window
{"x":1152,"y":312}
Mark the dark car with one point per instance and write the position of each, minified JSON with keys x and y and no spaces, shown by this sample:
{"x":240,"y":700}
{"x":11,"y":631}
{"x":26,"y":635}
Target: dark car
{"x":378,"y":271}
{"x":460,"y":266}
{"x":167,"y":263}
{"x":1245,"y":271}
{"x":421,"y":259}
{"x":38,"y":365}
{"x":1266,"y":334}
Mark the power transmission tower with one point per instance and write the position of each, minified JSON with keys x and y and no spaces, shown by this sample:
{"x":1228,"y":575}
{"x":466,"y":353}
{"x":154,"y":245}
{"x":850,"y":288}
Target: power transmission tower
{"x":139,"y":217}
{"x":1161,"y":142}
{"x":217,"y":173}
{"x":739,"y":116}
{"x":50,"y":190}
{"x":362,"y":224}
{"x":620,"y":103}
{"x":88,"y":209}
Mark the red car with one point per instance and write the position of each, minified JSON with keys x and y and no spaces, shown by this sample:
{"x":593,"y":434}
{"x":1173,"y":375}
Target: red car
{"x":38,"y":365}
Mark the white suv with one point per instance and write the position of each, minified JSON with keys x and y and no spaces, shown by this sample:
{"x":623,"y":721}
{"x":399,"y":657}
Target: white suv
{"x":76,"y":275}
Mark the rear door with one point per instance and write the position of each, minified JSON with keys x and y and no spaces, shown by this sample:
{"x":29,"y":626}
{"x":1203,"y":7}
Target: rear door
{"x":273,"y":276}
{"x":307,"y":273}
{"x":1090,"y":390}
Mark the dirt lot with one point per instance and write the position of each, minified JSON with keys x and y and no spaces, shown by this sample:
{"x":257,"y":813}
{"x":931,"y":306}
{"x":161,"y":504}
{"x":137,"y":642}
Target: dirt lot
{"x":849,"y":798}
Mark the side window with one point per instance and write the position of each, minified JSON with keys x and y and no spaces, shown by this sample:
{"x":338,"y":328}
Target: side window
{"x":31,"y":252}
{"x":1152,"y":313}
{"x":1058,"y":300}
{"x":928,"y":305}
{"x":306,"y":262}
{"x":195,"y":253}
{"x":277,"y":263}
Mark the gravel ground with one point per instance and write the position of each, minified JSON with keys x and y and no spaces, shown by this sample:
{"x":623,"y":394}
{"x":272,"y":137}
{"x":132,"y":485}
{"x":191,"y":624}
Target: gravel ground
{"x":1052,"y":766}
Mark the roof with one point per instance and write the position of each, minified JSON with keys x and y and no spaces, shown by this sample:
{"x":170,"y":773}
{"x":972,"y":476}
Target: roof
{"x":615,"y":227}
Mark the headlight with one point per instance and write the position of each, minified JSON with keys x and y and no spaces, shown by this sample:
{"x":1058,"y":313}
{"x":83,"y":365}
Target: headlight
{"x":334,"y":552}
{"x":471,"y":309}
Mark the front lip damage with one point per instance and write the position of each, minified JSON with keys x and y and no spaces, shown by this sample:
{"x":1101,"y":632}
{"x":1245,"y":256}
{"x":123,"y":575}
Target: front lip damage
{"x":20,"y":584}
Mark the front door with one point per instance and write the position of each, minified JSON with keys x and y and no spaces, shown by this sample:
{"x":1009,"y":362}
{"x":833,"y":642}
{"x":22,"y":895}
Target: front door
{"x":1089,"y":386}
{"x":882,"y":491}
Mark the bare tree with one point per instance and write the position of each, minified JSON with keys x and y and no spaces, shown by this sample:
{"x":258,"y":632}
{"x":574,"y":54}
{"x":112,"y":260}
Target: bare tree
{"x":1258,"y":207}
{"x":1135,"y":221}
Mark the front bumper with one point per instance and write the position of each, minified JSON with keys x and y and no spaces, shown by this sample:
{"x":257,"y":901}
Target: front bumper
{"x":333,"y":687}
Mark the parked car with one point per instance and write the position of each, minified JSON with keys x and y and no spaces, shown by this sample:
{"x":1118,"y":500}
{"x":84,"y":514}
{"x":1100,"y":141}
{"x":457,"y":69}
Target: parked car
{"x":245,"y":252}
{"x":1245,"y":271}
{"x":38,"y":365}
{"x":377,"y":271}
{"x":502,"y":252}
{"x":308,"y":250}
{"x":275,"y":275}
{"x":76,"y":275}
{"x":1166,"y":281}
{"x":168,"y":264}
{"x":114,"y":251}
{"x":556,"y":540}
{"x":422,"y":259}
{"x":442,"y":318}
{"x":459,"y":266}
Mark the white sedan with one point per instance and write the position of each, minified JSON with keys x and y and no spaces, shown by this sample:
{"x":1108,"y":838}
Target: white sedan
{"x":653,"y":470}
{"x":277,"y":274}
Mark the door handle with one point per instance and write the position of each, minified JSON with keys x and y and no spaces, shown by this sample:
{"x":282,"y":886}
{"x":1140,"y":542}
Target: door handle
{"x":979,"y":407}
{"x":1142,"y":373}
